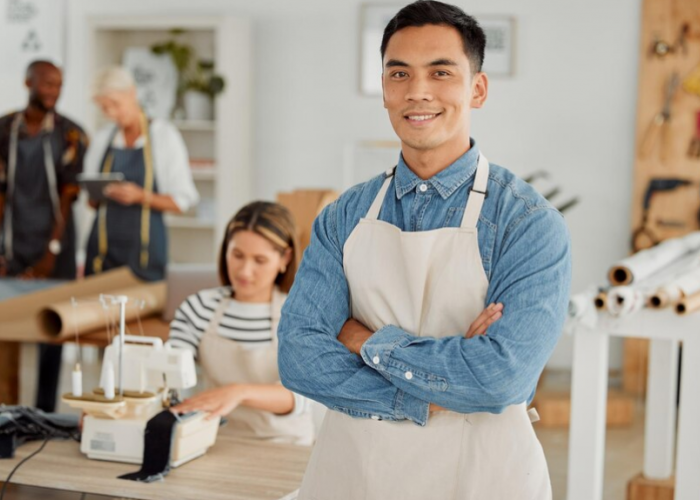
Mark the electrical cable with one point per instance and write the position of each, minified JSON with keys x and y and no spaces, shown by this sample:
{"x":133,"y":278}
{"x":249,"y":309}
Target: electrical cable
{"x":12,"y":473}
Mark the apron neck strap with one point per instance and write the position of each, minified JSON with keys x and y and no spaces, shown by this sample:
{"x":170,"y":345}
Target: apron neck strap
{"x":373,"y":212}
{"x":477,"y":194}
{"x":213,"y":325}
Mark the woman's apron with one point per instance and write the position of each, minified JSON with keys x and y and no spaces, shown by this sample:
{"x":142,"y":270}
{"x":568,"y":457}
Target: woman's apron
{"x":225,"y":361}
{"x":123,"y":224}
{"x":429,"y":283}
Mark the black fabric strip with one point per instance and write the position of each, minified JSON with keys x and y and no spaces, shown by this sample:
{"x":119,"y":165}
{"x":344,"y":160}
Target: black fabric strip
{"x":157,"y":442}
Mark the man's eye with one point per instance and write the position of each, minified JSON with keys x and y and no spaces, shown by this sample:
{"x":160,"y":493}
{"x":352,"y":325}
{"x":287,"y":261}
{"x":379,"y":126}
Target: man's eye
{"x":442,"y":73}
{"x":399,"y":74}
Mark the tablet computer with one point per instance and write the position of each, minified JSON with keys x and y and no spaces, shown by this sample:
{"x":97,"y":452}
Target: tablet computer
{"x":95,"y":183}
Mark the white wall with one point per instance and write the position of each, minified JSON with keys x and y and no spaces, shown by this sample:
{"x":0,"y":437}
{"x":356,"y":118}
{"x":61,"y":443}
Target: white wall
{"x":569,"y":109}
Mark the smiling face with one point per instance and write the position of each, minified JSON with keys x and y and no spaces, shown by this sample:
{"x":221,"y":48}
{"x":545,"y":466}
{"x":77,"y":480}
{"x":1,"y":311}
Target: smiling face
{"x":45,"y":86}
{"x":253,"y":265}
{"x":429,"y":91}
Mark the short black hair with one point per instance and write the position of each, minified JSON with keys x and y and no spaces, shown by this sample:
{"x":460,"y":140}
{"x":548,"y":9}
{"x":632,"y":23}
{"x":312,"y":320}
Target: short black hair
{"x":424,"y":12}
{"x":34,"y":65}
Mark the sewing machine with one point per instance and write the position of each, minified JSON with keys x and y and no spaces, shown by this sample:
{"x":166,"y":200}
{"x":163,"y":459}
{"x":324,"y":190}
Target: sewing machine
{"x":115,"y":419}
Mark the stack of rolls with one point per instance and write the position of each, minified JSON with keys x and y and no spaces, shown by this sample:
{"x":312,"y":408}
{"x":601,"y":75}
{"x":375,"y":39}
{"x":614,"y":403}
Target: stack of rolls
{"x":667,"y":274}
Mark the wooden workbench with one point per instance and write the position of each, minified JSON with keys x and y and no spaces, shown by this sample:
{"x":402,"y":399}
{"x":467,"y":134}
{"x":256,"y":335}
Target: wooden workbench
{"x":233,"y":469}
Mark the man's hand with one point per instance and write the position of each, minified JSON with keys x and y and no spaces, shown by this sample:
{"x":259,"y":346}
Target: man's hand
{"x":487,"y":317}
{"x":353,"y":335}
{"x":42,"y":269}
{"x":125,"y":193}
{"x":217,"y":402}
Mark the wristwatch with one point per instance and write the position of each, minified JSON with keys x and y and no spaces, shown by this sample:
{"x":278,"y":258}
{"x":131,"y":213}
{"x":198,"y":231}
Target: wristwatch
{"x":55,"y":246}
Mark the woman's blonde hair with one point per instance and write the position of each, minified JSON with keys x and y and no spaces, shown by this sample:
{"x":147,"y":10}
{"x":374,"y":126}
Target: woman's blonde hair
{"x":273,"y":222}
{"x":114,"y":78}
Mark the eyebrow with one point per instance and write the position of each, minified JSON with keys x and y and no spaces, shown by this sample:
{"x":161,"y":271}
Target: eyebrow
{"x":392,"y":63}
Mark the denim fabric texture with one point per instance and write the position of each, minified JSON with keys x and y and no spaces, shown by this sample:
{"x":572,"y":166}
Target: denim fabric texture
{"x":525,"y":251}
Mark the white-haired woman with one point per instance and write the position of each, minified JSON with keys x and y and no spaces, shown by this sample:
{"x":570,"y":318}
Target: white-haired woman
{"x":129,"y":229}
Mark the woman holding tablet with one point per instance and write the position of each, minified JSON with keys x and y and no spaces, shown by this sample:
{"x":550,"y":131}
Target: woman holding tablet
{"x":150,"y":154}
{"x":232,"y":329}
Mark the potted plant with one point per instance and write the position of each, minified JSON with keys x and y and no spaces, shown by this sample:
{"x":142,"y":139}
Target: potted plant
{"x":201,"y":86}
{"x":181,"y":55}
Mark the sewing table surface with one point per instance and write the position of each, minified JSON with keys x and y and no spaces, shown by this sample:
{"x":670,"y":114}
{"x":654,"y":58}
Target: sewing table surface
{"x":233,"y":469}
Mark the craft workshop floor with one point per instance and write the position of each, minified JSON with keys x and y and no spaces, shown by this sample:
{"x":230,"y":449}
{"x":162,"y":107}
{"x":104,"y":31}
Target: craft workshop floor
{"x":623,"y":457}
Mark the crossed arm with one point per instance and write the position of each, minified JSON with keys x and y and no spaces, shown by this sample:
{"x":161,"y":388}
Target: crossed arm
{"x":481,"y":373}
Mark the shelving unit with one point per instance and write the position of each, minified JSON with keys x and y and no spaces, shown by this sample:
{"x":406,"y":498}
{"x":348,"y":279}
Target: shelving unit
{"x":219,"y":148}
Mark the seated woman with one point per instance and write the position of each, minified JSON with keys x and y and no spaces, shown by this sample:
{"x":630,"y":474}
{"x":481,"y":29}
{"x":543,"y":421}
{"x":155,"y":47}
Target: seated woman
{"x":232,"y":330}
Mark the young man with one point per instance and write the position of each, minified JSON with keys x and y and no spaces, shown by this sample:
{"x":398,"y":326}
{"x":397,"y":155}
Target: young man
{"x":41,"y":153}
{"x":376,"y":325}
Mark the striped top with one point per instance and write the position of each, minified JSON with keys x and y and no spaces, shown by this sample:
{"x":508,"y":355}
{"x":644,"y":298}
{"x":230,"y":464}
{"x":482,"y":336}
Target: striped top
{"x":248,"y":324}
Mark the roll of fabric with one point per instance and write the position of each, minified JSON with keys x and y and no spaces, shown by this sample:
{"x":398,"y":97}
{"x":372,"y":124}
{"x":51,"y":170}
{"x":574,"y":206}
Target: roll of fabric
{"x":647,"y":262}
{"x":63,"y":319}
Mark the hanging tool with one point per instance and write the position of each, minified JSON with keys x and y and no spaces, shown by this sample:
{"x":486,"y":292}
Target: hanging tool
{"x":694,"y":146}
{"x":660,"y":48}
{"x":643,"y":237}
{"x":661,"y":121}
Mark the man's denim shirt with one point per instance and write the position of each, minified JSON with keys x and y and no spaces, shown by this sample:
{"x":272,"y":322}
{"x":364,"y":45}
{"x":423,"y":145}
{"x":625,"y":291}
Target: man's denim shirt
{"x":525,"y":252}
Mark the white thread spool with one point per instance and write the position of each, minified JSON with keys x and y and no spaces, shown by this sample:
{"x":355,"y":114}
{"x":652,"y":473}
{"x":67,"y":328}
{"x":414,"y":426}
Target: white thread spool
{"x":108,"y":382}
{"x":77,"y":381}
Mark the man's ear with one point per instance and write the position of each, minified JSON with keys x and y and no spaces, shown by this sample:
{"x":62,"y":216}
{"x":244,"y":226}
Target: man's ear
{"x":383,"y":96}
{"x":480,"y":90}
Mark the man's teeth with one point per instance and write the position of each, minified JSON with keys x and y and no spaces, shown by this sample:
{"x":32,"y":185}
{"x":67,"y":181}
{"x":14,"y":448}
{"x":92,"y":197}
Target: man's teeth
{"x":420,"y":118}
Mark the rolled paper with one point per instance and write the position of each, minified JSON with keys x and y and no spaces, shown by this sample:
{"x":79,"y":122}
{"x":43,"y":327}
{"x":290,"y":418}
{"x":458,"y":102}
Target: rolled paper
{"x":63,"y":319}
{"x":688,"y":304}
{"x":625,"y":300}
{"x":108,"y":379}
{"x":673,"y":292}
{"x":579,"y":304}
{"x":601,"y":301}
{"x":647,"y":262}
{"x":77,"y":381}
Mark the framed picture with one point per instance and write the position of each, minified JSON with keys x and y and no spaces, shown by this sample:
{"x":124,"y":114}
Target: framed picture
{"x":373,"y":20}
{"x":499,"y":57}
{"x":156,"y":80}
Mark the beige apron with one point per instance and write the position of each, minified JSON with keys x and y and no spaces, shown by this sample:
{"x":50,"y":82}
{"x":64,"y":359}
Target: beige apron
{"x":429,"y":283}
{"x":224,"y":362}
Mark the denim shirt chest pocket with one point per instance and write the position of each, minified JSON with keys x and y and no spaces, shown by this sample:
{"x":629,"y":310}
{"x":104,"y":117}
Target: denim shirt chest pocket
{"x":486,"y":233}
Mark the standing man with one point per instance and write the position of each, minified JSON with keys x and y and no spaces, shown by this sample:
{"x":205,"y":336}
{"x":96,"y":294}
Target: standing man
{"x":377,"y":324}
{"x":41,"y":153}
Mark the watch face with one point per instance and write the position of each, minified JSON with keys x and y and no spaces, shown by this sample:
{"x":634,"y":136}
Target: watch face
{"x":55,"y":247}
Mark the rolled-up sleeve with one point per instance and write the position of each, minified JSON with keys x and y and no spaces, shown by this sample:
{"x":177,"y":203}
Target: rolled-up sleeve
{"x":312,"y":362}
{"x":490,"y":372}
{"x":173,"y":172}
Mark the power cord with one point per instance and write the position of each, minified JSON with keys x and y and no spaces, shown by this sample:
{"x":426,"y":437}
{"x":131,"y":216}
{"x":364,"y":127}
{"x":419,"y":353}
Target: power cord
{"x":7,"y":481}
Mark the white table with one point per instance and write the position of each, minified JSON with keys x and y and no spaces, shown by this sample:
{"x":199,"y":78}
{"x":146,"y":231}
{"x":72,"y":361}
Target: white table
{"x":666,"y":330}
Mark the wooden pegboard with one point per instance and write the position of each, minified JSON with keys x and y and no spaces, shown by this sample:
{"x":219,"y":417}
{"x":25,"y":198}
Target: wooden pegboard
{"x":661,"y":152}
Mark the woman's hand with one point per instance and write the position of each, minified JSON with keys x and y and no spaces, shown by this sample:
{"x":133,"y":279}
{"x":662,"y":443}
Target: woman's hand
{"x":217,"y":402}
{"x":487,"y":317}
{"x":125,"y":193}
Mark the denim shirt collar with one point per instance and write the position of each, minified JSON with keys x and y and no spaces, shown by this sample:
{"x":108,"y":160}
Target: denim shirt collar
{"x":446,"y":181}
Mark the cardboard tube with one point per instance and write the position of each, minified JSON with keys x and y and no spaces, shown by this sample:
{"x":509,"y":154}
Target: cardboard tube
{"x":688,"y":304}
{"x":57,"y":320}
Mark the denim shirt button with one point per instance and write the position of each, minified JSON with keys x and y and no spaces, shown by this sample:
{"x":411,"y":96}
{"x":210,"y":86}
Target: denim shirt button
{"x":375,"y":360}
{"x":408,"y":375}
{"x":423,"y":188}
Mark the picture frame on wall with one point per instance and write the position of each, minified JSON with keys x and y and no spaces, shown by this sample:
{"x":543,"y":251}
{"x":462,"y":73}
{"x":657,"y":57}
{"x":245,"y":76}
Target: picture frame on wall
{"x":373,"y":20}
{"x":499,"y":59}
{"x":499,"y":56}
